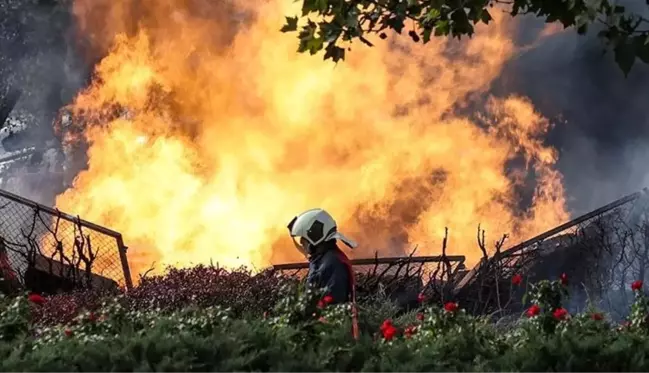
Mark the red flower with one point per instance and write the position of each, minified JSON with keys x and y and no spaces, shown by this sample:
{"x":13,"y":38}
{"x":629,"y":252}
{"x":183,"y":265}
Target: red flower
{"x":409,"y":331}
{"x":560,"y":313}
{"x":386,"y":324}
{"x":322,"y":320}
{"x":420,"y":316}
{"x":389,"y":332}
{"x":36,"y":299}
{"x":327,"y":299}
{"x":68,"y":332}
{"x":636,"y":285}
{"x":533,"y":311}
{"x":564,"y":279}
{"x":450,"y":307}
{"x":597,"y":316}
{"x":517,"y":279}
{"x":421,"y":298}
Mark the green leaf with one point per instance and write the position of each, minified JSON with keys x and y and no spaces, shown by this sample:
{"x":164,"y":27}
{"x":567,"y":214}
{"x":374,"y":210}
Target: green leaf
{"x":442,"y":28}
{"x":432,"y":15}
{"x":311,"y":6}
{"x":290,"y":25}
{"x":396,"y":23}
{"x":426,"y":34}
{"x":314,"y":45}
{"x":581,"y":22}
{"x":641,"y":46}
{"x":485,"y":17}
{"x":625,"y":55}
{"x":334,"y":52}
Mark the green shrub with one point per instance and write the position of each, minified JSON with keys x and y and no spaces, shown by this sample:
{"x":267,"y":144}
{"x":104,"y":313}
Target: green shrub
{"x":303,"y":332}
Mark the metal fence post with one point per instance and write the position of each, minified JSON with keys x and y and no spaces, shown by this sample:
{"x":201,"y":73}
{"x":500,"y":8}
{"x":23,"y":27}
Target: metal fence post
{"x":128,"y":281}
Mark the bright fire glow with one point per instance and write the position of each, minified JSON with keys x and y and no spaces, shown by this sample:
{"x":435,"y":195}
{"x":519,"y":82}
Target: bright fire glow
{"x":226,"y":133}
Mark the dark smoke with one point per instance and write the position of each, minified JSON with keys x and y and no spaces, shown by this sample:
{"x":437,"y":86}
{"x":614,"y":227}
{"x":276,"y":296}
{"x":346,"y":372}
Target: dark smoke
{"x":601,"y":117}
{"x":38,"y":60}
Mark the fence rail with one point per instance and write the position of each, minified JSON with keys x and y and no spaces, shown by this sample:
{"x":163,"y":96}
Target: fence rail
{"x":41,"y":246}
{"x":401,"y":277}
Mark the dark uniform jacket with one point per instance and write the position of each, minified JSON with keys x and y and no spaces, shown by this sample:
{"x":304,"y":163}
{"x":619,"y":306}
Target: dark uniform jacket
{"x":330,"y":268}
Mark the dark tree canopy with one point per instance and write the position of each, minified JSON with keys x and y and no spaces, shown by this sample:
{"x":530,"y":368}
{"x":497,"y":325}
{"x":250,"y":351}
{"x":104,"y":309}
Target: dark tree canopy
{"x":343,"y":21}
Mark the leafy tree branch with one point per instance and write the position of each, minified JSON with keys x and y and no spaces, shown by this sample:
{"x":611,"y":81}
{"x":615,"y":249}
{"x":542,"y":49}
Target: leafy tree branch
{"x":333,"y":25}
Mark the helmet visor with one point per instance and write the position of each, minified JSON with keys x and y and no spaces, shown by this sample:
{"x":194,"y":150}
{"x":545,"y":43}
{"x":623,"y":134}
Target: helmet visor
{"x":302,"y":244}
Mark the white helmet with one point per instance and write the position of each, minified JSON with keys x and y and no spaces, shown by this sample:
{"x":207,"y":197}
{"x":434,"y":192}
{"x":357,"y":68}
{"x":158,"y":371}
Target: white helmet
{"x":315,"y":226}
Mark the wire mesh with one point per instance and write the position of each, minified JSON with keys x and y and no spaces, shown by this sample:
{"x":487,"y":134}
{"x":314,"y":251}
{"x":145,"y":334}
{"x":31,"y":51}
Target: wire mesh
{"x":41,"y":246}
{"x":601,"y":252}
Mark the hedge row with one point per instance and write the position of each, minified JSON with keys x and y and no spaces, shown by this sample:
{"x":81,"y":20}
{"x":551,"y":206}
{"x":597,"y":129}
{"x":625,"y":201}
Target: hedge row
{"x":240,"y":290}
{"x":304,"y":332}
{"x":202,"y":286}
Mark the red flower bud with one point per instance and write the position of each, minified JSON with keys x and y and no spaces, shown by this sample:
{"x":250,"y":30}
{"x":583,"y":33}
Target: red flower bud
{"x":327,"y":299}
{"x":67,"y":332}
{"x":636,"y":285}
{"x":450,"y":307}
{"x":389,"y":332}
{"x":420,"y":316}
{"x":597,"y":316}
{"x":36,"y":299}
{"x":421,"y":298}
{"x":560,"y":313}
{"x":517,"y":279}
{"x":564,"y":279}
{"x":386,"y":324}
{"x":533,"y":310}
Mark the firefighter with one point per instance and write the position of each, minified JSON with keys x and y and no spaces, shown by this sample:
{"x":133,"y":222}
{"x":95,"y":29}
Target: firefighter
{"x":314,"y":233}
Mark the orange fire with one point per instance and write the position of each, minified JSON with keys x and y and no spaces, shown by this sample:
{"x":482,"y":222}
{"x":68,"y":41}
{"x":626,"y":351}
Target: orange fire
{"x":208,"y":132}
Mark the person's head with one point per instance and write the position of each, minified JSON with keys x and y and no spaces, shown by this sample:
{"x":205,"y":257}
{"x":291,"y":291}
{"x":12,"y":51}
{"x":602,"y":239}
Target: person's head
{"x":314,"y":229}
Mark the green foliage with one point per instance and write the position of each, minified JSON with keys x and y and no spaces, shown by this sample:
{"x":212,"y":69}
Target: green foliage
{"x":306,"y":333}
{"x":14,"y":317}
{"x":328,"y":24}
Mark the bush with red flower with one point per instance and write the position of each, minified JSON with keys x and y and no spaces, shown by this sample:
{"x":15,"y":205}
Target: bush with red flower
{"x":306,"y":331}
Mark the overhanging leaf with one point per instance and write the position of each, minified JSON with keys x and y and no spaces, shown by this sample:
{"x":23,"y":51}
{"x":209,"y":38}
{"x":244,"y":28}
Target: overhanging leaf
{"x":625,"y":55}
{"x":334,"y":52}
{"x":290,"y":25}
{"x":642,"y":47}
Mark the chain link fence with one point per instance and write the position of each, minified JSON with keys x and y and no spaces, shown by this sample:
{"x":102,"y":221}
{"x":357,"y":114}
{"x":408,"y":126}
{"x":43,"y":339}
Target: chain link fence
{"x":43,"y":249}
{"x":601,"y":252}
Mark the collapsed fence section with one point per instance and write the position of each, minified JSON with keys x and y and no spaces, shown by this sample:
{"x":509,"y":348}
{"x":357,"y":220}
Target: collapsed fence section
{"x":45,"y":249}
{"x":400,"y":278}
{"x":601,"y":253}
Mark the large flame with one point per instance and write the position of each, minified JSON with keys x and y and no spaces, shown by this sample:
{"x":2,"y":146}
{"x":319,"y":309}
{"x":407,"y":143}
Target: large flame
{"x":226,"y":133}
